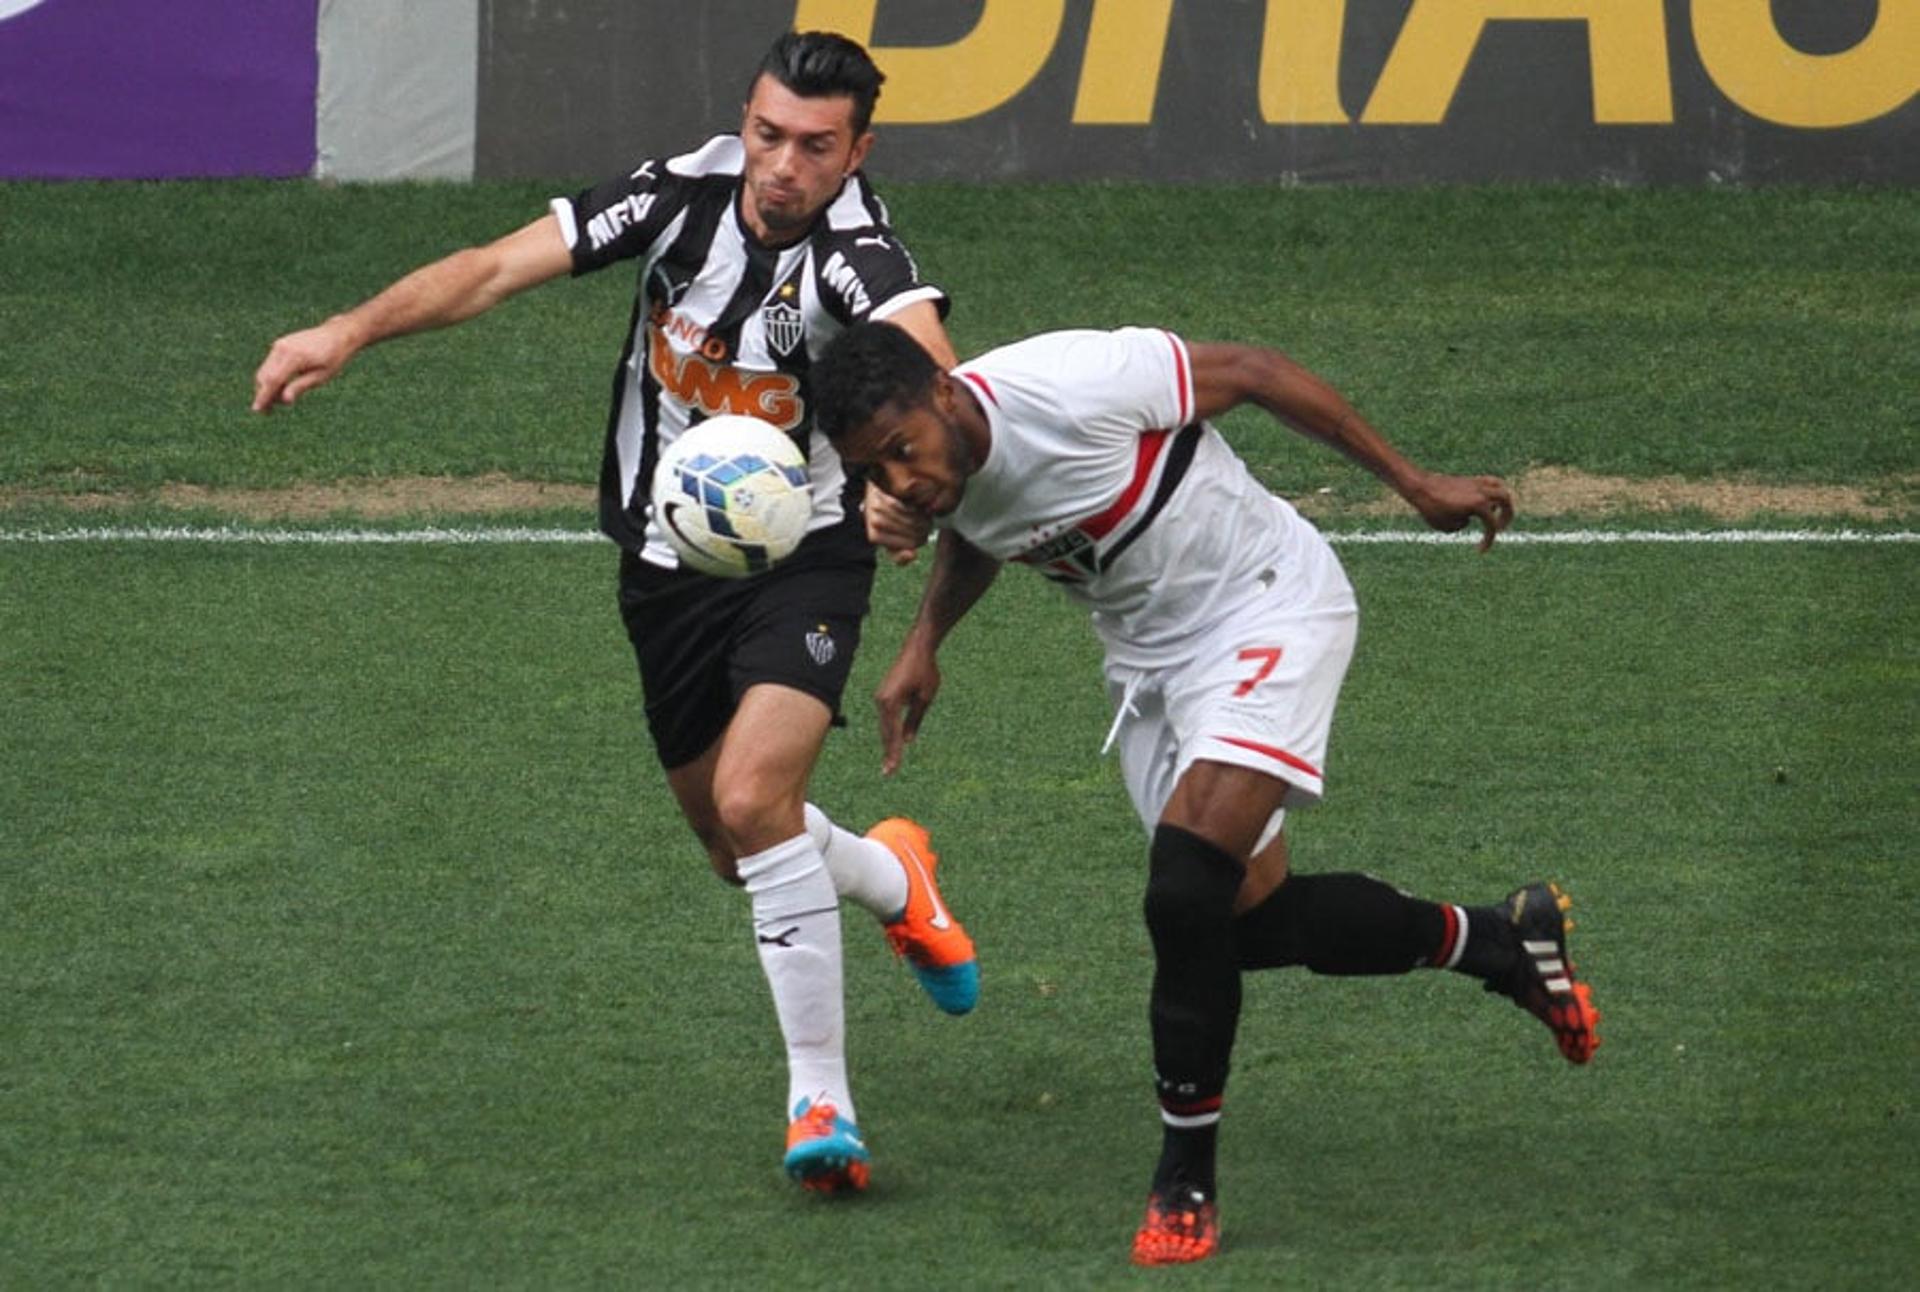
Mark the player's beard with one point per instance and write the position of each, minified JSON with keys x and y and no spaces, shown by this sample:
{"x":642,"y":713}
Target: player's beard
{"x":784,"y":221}
{"x":960,"y":465}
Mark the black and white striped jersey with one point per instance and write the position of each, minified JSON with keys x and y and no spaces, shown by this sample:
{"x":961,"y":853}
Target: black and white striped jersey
{"x":724,"y":324}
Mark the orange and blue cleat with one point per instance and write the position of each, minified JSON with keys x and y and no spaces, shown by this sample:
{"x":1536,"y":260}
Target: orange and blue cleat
{"x":1182,"y":1226}
{"x":825,"y":1153}
{"x":927,"y":935}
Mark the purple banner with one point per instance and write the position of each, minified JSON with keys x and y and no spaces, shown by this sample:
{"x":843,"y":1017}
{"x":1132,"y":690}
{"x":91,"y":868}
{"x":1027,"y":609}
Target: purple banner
{"x":153,"y":89}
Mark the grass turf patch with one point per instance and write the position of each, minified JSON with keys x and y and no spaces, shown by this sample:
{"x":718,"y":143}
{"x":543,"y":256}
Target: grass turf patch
{"x":352,"y":935}
{"x":1770,"y":332}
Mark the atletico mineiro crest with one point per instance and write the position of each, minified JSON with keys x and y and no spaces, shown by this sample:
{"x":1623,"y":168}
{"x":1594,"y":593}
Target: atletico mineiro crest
{"x":782,"y":320}
{"x":820,"y":645}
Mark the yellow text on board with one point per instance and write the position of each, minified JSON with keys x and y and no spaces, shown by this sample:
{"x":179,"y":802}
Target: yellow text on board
{"x":1300,"y":50}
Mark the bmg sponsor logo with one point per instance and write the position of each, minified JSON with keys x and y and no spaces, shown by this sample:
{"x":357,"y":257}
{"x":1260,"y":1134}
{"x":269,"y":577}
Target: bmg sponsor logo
{"x":714,"y":386}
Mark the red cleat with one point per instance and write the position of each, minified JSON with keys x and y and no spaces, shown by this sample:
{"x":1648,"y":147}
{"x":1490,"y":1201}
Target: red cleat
{"x":1182,"y":1226}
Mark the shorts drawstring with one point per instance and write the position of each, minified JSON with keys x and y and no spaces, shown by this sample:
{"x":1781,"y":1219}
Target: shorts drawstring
{"x":1126,"y":708}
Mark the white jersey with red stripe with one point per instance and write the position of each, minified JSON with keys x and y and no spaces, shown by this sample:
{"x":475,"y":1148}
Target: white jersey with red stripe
{"x":1100,"y":476}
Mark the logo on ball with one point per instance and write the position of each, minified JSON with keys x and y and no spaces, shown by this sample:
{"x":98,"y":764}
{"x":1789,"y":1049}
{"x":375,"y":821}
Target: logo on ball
{"x":732,"y":496}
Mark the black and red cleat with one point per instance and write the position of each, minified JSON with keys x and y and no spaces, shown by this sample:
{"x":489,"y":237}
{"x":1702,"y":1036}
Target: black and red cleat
{"x":1542,"y":979}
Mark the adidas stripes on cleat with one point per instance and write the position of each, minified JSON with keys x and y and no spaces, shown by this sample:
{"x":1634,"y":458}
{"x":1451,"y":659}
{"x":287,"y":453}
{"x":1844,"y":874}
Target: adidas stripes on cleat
{"x":927,"y":935}
{"x":1542,"y":980}
{"x":1182,"y":1225}
{"x":825,"y":1153}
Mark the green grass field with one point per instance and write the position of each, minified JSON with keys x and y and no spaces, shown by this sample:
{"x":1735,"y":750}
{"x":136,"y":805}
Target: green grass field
{"x":1774,"y":333}
{"x":350,"y":938}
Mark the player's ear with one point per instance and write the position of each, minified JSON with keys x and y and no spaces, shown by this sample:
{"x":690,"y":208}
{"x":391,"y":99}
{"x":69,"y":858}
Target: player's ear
{"x":857,"y":156}
{"x":945,"y":396}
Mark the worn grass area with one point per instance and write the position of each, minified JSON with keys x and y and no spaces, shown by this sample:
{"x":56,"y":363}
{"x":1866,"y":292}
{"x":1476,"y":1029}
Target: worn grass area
{"x":1768,"y":334}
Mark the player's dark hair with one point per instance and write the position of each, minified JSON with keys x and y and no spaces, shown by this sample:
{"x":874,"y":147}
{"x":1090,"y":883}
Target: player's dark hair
{"x":867,"y":368}
{"x":821,"y":64}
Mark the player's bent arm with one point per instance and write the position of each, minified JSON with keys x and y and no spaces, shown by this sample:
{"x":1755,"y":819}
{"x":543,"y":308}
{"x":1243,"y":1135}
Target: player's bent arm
{"x":894,"y":526}
{"x":447,"y":291}
{"x":961,"y":575}
{"x":1227,"y":376}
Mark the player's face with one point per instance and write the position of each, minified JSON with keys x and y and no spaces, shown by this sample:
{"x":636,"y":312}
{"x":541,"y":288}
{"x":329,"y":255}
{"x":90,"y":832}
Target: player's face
{"x":918,"y":454}
{"x":798,"y":151}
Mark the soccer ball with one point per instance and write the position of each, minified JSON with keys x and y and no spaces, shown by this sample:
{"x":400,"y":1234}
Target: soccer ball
{"x":733,"y":496}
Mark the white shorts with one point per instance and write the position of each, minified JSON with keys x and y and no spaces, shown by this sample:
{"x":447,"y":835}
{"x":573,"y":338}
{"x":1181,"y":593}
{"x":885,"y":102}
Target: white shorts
{"x":1257,"y":691}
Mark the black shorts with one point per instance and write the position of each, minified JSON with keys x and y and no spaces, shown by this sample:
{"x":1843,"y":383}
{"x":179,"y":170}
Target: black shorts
{"x":701,"y":642}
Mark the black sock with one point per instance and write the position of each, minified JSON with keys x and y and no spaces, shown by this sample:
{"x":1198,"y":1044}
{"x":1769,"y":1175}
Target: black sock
{"x":1340,"y":924}
{"x":1187,"y":1159}
{"x":1489,"y":949}
{"x":1195,"y":1006}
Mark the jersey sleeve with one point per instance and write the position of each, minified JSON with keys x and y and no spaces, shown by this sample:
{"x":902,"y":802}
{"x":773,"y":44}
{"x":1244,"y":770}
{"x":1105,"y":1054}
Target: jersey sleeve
{"x":869,"y":274}
{"x":619,"y":218}
{"x":1136,"y":376}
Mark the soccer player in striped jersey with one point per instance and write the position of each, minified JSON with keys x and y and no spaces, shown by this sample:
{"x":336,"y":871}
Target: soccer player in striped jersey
{"x":1227,"y":624}
{"x":753,"y":251}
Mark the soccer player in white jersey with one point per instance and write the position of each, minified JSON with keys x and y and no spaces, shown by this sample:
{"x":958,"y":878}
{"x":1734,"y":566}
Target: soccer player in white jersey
{"x":754,"y":250}
{"x":1227,"y":625}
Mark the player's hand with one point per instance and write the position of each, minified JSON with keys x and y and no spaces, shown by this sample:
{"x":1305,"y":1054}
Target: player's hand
{"x":903,"y":699}
{"x":297,"y":363}
{"x":1449,"y":503}
{"x":895,"y":526}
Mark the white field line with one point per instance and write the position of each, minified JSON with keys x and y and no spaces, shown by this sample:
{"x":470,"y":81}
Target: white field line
{"x":1592,"y":537}
{"x":535,"y":537}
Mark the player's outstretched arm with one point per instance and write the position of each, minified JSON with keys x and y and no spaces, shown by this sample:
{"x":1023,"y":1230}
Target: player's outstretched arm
{"x":439,"y":294}
{"x":961,"y":574}
{"x":1226,"y":376}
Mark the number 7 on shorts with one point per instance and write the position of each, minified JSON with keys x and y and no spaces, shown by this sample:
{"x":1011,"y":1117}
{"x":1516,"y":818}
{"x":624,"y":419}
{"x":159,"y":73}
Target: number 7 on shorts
{"x":1269,"y":657}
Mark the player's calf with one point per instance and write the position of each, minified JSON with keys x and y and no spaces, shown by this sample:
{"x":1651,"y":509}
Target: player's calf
{"x":1355,"y":924}
{"x":1194,"y":1008}
{"x":1341,"y":923}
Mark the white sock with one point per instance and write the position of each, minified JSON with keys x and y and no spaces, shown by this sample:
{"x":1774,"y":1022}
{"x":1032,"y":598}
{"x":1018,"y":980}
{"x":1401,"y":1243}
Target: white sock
{"x":796,"y":924}
{"x":864,"y":871}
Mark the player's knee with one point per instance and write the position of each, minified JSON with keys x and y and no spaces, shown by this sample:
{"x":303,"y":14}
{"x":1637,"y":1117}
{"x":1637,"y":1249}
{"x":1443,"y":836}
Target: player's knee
{"x":754,"y":815}
{"x":1191,"y":884}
